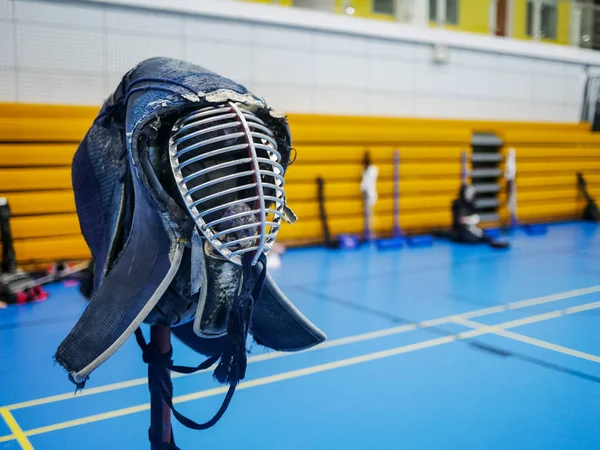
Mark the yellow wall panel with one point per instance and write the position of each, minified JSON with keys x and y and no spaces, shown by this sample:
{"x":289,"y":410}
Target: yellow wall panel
{"x":551,"y":181}
{"x":34,"y":179}
{"x":543,"y":166}
{"x":546,"y":138}
{"x":301,"y":191}
{"x":52,"y":249}
{"x":378,"y":154}
{"x":37,"y":111}
{"x":337,"y":208}
{"x":563,"y":22}
{"x":353,"y":207}
{"x":544,"y":210}
{"x":354,"y":171}
{"x":471,"y":125}
{"x":519,"y":24}
{"x":311,"y":230}
{"x":473,"y":16}
{"x":43,"y":130}
{"x":564,"y":153}
{"x":550,"y":194}
{"x":35,"y":171}
{"x":29,"y":155}
{"x":379,"y":135}
{"x":40,"y":202}
{"x":45,"y":226}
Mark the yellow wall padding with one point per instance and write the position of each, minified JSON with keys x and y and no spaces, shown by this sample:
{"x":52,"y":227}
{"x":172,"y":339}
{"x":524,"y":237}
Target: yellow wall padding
{"x":43,"y":130}
{"x":542,"y":211}
{"x":45,"y":226}
{"x":51,"y":249}
{"x":374,"y":135}
{"x":471,"y":125}
{"x":29,"y":155}
{"x":320,"y":154}
{"x":311,"y":228}
{"x":37,"y":111}
{"x":551,"y":180}
{"x":37,"y":143}
{"x":354,"y":207}
{"x":330,"y":172}
{"x":40,"y":111}
{"x":12,"y":180}
{"x":544,"y":165}
{"x":548,"y":138}
{"x":547,"y":163}
{"x":565,"y":153}
{"x":301,"y":191}
{"x":40,"y":202}
{"x":529,"y":195}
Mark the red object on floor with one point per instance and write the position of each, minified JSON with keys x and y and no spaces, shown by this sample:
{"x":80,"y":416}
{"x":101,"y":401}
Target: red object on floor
{"x":21,"y":298}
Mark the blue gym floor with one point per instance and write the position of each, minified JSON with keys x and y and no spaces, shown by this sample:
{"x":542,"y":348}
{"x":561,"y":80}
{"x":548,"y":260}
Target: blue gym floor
{"x":446,"y":347}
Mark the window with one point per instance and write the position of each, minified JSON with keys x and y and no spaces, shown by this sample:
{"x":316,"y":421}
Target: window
{"x":547,"y":18}
{"x":529,"y":18}
{"x":384,"y":7}
{"x":315,"y":4}
{"x":433,"y":10}
{"x":451,"y":10}
{"x":549,"y":21}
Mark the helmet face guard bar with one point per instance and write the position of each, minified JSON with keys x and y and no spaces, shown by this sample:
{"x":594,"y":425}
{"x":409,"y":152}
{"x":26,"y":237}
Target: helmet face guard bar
{"x":228,"y":171}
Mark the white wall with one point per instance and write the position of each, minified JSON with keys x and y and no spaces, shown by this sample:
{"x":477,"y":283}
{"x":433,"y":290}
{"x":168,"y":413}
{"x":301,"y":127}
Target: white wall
{"x":58,"y":52}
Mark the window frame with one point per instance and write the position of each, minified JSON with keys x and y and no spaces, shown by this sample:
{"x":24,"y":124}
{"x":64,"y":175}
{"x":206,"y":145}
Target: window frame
{"x":438,"y":15}
{"x":534,"y":26}
{"x":385,"y":13}
{"x":456,"y":22}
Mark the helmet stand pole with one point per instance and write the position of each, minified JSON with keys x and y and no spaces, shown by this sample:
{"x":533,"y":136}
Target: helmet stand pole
{"x":161,"y":434}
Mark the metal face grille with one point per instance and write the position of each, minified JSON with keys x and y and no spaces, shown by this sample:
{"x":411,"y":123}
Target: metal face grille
{"x":227,"y":167}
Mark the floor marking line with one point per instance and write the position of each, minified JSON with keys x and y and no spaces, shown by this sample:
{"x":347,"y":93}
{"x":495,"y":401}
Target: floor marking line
{"x":586,"y":307}
{"x":15,"y":429}
{"x":479,"y":329}
{"x":471,"y":334}
{"x":89,"y":419}
{"x":515,"y":305}
{"x":252,"y":359}
{"x":549,"y":346}
{"x":253,"y":383}
{"x":532,"y":319}
{"x":328,"y":344}
{"x":554,"y":297}
{"x":501,"y":331}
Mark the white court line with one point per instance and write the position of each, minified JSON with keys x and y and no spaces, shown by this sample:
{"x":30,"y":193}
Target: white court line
{"x":514,"y":305}
{"x":252,"y":383}
{"x":531,"y":319}
{"x":501,"y":330}
{"x":328,"y":344}
{"x":586,"y":307}
{"x":252,"y":359}
{"x":480,"y":330}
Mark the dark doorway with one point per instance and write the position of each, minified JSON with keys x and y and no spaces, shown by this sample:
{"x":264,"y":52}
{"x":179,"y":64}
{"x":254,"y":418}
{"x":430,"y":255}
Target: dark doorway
{"x":501,"y":14}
